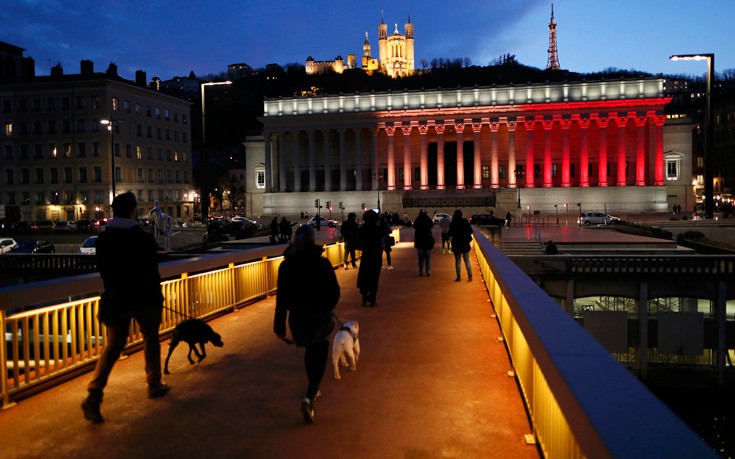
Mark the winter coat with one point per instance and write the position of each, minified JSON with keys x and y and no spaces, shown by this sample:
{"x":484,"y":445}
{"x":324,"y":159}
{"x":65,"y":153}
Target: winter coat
{"x":127,"y":258}
{"x":461,"y":234}
{"x":307,"y":293}
{"x":349,"y":231}
{"x":423,"y":239}
{"x":370,"y":241}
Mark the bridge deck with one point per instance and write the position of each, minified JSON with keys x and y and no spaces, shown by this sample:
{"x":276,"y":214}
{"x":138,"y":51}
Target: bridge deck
{"x":431,"y":382}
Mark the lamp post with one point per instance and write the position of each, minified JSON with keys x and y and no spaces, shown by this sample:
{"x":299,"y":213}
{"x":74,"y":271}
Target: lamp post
{"x":556,"y":206}
{"x":205,"y":187}
{"x":566,"y":208}
{"x":709,"y":205}
{"x":579,"y":204}
{"x":378,"y":176}
{"x":111,"y":127}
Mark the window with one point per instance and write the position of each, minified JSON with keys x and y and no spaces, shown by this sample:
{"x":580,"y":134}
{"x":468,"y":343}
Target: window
{"x":97,"y":174}
{"x":37,"y":151}
{"x":53,"y":153}
{"x":96,"y":125}
{"x":150,"y":153}
{"x":502,"y":172}
{"x":82,"y":150}
{"x":149,"y":132}
{"x":40,"y":197}
{"x":118,"y":174}
{"x":79,"y":102}
{"x":166,"y":115}
{"x":54,"y":176}
{"x":672,"y":170}
{"x":24,"y":151}
{"x":554,"y":170}
{"x":141,"y":175}
{"x":96,"y":149}
{"x":25,"y":176}
{"x":138,"y":152}
{"x":36,"y":103}
{"x":80,"y":125}
{"x":26,"y":197}
{"x":50,"y":104}
{"x":571,"y":169}
{"x":115,"y":104}
{"x":52,"y":126}
{"x":11,"y":197}
{"x":8,"y":128}
{"x":66,"y":126}
{"x":150,"y":175}
{"x":8,"y":152}
{"x":137,"y":108}
{"x":158,"y":113}
{"x":65,"y":105}
{"x":95,"y":101}
{"x":37,"y":127}
{"x":67,"y":150}
{"x":128,"y":150}
{"x":148,"y":111}
{"x":39,"y":175}
{"x":67,"y":175}
{"x":536,"y":171}
{"x":485,"y":172}
{"x":82,"y":175}
{"x":139,"y":130}
{"x":260,"y":178}
{"x":126,"y":106}
{"x":9,"y":179}
{"x":183,"y":118}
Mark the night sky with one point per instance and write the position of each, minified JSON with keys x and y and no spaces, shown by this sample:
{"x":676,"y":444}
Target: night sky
{"x":172,"y":38}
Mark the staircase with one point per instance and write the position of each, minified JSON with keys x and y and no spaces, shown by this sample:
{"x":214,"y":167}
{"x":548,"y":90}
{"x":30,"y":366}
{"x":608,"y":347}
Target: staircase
{"x":521,"y":248}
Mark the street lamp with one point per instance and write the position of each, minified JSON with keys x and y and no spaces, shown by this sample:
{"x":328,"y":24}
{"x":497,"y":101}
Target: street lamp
{"x":111,"y":127}
{"x":566,"y":208}
{"x":519,"y":173}
{"x":709,"y":205}
{"x":378,"y":176}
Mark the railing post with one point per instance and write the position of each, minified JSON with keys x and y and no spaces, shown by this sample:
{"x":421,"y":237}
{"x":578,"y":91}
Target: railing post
{"x":4,"y":365}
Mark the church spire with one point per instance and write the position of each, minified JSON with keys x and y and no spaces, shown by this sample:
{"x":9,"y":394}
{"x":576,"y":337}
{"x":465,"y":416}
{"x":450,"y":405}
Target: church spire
{"x":552,"y":62}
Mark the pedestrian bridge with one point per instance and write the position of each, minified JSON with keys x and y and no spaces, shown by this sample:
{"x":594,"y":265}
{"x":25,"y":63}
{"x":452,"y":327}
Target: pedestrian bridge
{"x":491,"y":368}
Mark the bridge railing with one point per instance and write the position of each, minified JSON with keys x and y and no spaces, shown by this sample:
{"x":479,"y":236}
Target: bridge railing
{"x":581,"y":402}
{"x":51,"y":327}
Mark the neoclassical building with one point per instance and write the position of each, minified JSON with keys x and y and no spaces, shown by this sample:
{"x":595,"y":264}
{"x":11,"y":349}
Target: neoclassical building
{"x":519,"y":148}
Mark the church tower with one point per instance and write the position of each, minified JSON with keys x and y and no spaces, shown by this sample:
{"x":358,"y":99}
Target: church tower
{"x":382,"y":42}
{"x":552,"y":62}
{"x":409,"y":47}
{"x":366,"y":46}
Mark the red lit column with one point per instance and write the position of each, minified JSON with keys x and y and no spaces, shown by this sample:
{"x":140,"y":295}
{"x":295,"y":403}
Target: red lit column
{"x":375,"y":179}
{"x":659,"y":155}
{"x":358,"y":159}
{"x":327,"y":163}
{"x":602,"y":153}
{"x":477,"y":169}
{"x":423,"y":129}
{"x":312,"y":161}
{"x":512,"y":180}
{"x":622,"y":122}
{"x":342,"y":161}
{"x":494,"y":176}
{"x":282,"y":182}
{"x":584,"y":160}
{"x":459,"y":128}
{"x":530,"y":179}
{"x":548,"y":179}
{"x":565,"y":173}
{"x":390,"y":130}
{"x":640,"y":151}
{"x":440,"y":185}
{"x":407,"y":179}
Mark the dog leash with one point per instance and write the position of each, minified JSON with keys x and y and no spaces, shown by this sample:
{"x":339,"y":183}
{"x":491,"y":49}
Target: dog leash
{"x":177,"y":312}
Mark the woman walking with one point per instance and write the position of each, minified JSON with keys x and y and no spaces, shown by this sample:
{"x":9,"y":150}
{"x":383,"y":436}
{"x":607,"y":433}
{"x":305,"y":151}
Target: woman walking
{"x":423,"y":241}
{"x":461,"y":233}
{"x":309,"y":316}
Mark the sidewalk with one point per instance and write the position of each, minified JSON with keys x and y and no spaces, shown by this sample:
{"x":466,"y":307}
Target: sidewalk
{"x":431,"y":382}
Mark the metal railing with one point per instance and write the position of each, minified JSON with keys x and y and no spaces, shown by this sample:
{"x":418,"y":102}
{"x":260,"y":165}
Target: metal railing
{"x":51,"y":327}
{"x":581,"y":402}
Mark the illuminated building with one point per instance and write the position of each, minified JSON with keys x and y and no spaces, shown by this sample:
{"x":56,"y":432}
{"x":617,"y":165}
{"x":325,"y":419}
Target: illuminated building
{"x":395,"y":54}
{"x":600,"y":144}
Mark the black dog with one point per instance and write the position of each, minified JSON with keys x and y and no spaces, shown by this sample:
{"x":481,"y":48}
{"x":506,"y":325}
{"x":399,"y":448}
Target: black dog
{"x":193,"y":331}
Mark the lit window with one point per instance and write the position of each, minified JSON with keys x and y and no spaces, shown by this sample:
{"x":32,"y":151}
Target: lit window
{"x":8,"y":128}
{"x":672,"y":170}
{"x":260,"y":178}
{"x":485,"y":172}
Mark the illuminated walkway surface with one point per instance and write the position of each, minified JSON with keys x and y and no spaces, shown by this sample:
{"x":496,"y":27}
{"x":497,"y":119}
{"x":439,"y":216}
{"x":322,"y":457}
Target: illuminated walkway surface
{"x":431,"y":382}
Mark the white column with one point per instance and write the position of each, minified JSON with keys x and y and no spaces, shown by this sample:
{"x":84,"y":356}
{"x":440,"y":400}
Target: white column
{"x":312,"y":161}
{"x":342,"y":161}
{"x":268,"y":163}
{"x":375,"y":179}
{"x":297,"y":161}
{"x":327,"y":162}
{"x":282,"y":180}
{"x":358,"y":159}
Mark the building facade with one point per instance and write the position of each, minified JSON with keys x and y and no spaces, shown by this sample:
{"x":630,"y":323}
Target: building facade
{"x":519,"y":148}
{"x":59,"y":159}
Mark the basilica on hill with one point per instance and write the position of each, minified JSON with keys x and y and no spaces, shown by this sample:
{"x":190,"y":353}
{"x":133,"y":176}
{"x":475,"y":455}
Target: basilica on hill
{"x":395,"y":54}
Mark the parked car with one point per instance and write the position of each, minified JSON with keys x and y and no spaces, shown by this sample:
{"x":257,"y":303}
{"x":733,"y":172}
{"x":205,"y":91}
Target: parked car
{"x":325,"y":222}
{"x":99,"y":224}
{"x":34,"y":247}
{"x":85,"y":226}
{"x":486,"y":220}
{"x":218,"y":226}
{"x":45,"y":225}
{"x":89,"y":246}
{"x":65,"y":225}
{"x":597,"y":218}
{"x":7,"y":244}
{"x":438,"y":217}
{"x":24,"y":226}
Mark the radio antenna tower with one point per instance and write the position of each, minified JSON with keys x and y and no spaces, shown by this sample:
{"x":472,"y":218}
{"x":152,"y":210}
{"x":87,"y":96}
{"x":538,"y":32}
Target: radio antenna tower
{"x":553,"y":61}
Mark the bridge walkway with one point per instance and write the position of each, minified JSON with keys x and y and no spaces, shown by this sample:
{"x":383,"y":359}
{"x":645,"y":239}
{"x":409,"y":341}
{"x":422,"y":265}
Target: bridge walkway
{"x":431,"y":382}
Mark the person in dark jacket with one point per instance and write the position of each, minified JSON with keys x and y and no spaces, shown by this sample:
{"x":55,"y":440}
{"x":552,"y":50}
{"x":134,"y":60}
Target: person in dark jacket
{"x":461,"y":233}
{"x":286,"y":230}
{"x":423,"y":241}
{"x":349,"y":235}
{"x":128,"y":265}
{"x":274,"y":230}
{"x":302,"y":271}
{"x":387,"y":230}
{"x":370,"y":241}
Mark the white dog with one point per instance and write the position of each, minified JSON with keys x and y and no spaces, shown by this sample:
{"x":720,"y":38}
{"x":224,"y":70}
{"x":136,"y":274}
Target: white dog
{"x":346,"y":347}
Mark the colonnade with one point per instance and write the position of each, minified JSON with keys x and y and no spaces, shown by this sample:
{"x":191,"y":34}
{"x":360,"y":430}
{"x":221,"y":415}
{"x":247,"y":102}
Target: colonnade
{"x":524,"y":151}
